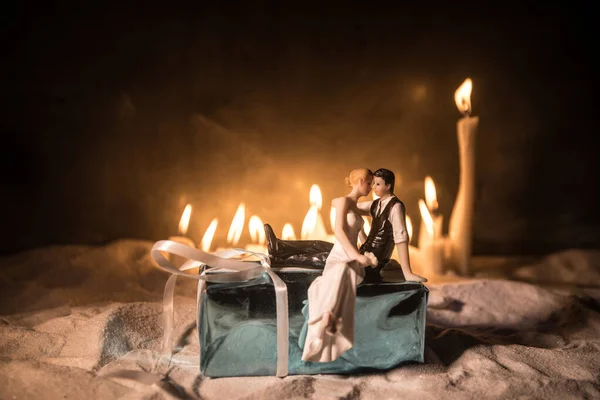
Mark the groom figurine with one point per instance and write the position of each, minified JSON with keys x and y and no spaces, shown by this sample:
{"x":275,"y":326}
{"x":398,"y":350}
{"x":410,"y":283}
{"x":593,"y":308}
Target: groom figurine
{"x":388,"y":229}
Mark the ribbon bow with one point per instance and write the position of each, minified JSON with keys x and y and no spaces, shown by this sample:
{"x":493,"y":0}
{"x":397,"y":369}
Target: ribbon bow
{"x":221,"y":269}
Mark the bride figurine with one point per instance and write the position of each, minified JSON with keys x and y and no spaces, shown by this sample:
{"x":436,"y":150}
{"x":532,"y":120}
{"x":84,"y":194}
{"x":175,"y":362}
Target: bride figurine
{"x":332,"y":296}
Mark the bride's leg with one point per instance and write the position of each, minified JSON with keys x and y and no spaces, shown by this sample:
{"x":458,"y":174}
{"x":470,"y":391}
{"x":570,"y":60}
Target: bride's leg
{"x":331,"y":301}
{"x":329,"y":323}
{"x":325,"y":325}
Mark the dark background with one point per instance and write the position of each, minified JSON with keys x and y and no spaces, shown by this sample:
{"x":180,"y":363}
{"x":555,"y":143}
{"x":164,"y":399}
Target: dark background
{"x":114,"y":117}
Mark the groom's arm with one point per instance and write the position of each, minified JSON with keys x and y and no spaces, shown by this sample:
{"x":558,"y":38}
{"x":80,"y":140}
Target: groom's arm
{"x":398,"y":220}
{"x":364,"y":207}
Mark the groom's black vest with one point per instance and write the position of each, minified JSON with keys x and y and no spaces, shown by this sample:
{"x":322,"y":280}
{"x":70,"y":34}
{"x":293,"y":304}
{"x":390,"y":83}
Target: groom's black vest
{"x":380,"y":241}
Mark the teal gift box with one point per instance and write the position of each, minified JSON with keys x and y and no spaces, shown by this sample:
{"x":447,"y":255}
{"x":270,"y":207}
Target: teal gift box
{"x":238,"y":327}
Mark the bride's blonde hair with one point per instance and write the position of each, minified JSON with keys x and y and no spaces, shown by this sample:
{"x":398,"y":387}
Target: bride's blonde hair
{"x":356,"y":174}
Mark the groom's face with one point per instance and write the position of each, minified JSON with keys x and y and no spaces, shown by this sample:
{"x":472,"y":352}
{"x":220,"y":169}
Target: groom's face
{"x":379,"y":187}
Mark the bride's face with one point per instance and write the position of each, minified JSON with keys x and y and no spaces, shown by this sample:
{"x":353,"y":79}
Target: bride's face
{"x":364,"y":186}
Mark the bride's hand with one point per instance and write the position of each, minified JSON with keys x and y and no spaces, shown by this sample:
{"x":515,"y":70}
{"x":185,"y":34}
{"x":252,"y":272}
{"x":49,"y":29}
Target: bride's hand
{"x":372,"y":259}
{"x":367,"y":260}
{"x":363,"y":260}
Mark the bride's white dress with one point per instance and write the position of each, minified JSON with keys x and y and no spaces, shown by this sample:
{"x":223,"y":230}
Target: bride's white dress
{"x":335,"y":292}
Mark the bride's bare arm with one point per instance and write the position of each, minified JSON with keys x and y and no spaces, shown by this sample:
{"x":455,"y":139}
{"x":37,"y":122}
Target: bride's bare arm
{"x":362,"y":236}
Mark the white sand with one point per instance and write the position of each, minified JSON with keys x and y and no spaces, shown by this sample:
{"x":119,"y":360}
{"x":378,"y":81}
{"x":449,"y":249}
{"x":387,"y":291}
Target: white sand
{"x":71,"y":315}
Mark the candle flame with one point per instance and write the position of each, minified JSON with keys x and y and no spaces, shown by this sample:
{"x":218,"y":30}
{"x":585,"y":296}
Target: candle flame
{"x":409,"y":228}
{"x":315,"y":197}
{"x":332,"y":218}
{"x":427,"y":220}
{"x":310,"y":222}
{"x":184,"y":222}
{"x":430,"y":194}
{"x":209,"y":235}
{"x":462,"y":97}
{"x":288,"y":232}
{"x":237,"y":225}
{"x":257,"y":230}
{"x":367,"y":225}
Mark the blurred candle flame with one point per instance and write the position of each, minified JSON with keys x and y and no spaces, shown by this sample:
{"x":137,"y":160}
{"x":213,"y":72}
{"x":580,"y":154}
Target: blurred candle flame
{"x":315,"y":196}
{"x":310,"y":223}
{"x":257,"y":230}
{"x":332,"y":218}
{"x":288,"y":232}
{"x":430,"y":194}
{"x":313,"y":226}
{"x":462,"y":97}
{"x":426,"y":216}
{"x":237,"y":225}
{"x":184,"y":222}
{"x":209,"y":235}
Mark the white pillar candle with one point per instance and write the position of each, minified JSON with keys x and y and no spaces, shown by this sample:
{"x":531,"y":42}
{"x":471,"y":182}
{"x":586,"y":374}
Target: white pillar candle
{"x":432,"y":249}
{"x":461,"y":220}
{"x":424,"y":236}
{"x":432,"y":258}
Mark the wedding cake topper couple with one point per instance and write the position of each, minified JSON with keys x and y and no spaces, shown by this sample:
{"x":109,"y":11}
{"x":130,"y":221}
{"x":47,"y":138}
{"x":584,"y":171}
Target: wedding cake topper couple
{"x":332,"y":296}
{"x":388,"y":230}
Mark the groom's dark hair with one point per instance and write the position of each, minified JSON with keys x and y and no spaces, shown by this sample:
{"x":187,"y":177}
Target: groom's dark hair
{"x":388,"y":177}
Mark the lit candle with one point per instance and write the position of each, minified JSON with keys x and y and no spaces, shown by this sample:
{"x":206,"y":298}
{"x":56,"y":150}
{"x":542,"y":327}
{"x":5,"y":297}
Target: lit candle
{"x":432,"y":206}
{"x":236,"y":228}
{"x":288,"y":232}
{"x":209,"y":235}
{"x":461,"y":220}
{"x":332,"y":218}
{"x":184,"y":223}
{"x":432,"y":250}
{"x":257,"y":233}
{"x":313,"y":227}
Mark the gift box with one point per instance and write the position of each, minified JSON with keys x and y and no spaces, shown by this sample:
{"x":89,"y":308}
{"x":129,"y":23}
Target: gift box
{"x":238,"y":327}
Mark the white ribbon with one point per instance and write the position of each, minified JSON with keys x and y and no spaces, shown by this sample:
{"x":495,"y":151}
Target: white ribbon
{"x":220,"y":269}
